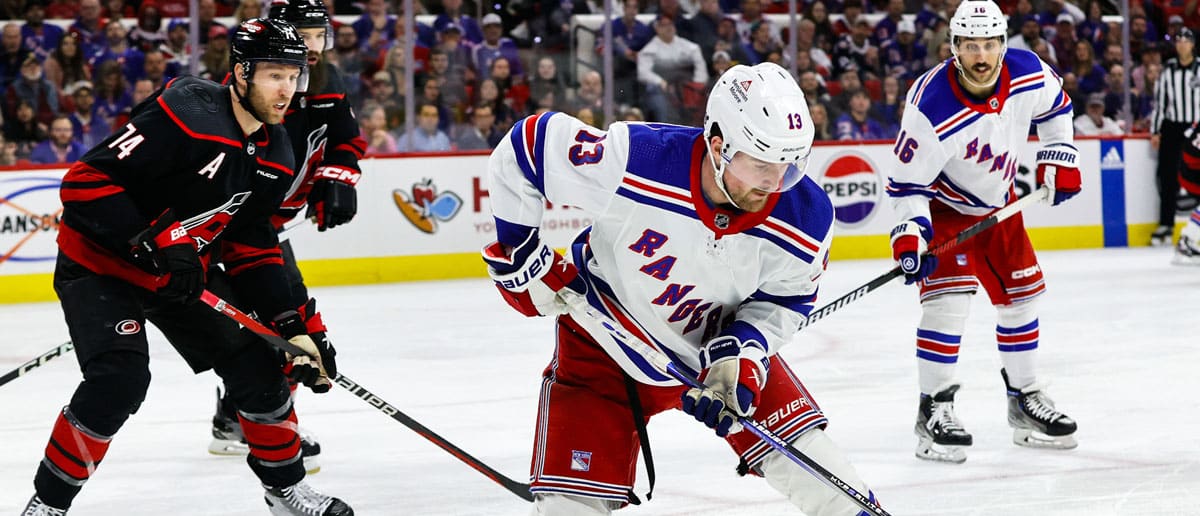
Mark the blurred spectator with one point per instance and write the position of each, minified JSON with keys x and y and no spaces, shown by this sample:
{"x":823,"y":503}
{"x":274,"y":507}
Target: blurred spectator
{"x":175,"y":48}
{"x":33,"y":88}
{"x":668,"y":8}
{"x":1087,"y":71}
{"x":720,"y":63}
{"x":452,"y":13}
{"x":1093,"y":122}
{"x":394,"y":65}
{"x":148,"y":33}
{"x":729,"y":41}
{"x":375,"y":26}
{"x":36,"y":35}
{"x":1093,"y":29}
{"x":820,"y":120}
{"x":116,"y":48}
{"x":431,"y":94}
{"x":824,"y":37}
{"x":8,"y":153}
{"x":1063,"y":41}
{"x":425,"y":136}
{"x":11,"y":9}
{"x":348,"y":59}
{"x":852,"y":50}
{"x":496,"y":44}
{"x":385,"y":93}
{"x":1140,"y":35}
{"x":142,"y":89}
{"x":887,"y":27}
{"x":1045,"y":52}
{"x":1112,"y":55}
{"x":930,"y":11}
{"x":374,"y":130}
{"x":904,"y":57}
{"x":700,"y":29}
{"x":248,"y":9}
{"x":206,"y":18}
{"x":481,"y":133}
{"x":451,"y":67}
{"x":547,"y":81}
{"x":155,"y":69}
{"x":851,"y":13}
{"x":551,"y":28}
{"x":112,"y":95}
{"x":12,"y":54}
{"x":173,"y":8}
{"x":66,"y":65}
{"x":942,"y":54}
{"x":629,"y":36}
{"x":86,"y":128}
{"x":850,"y":84}
{"x":856,"y":124}
{"x":1049,"y":17}
{"x":514,"y":93}
{"x":590,"y":95}
{"x":116,"y":11}
{"x":632,"y":114}
{"x":891,"y":106}
{"x":936,"y":36}
{"x":814,"y":91}
{"x":214,"y":62}
{"x":22,"y":129}
{"x":664,"y":65}
{"x":1145,"y":97}
{"x":61,"y":147}
{"x":761,"y":42}
{"x":489,"y":93}
{"x":1115,"y":96}
{"x":1031,"y":34}
{"x":87,"y":27}
{"x":62,"y":9}
{"x":807,"y":49}
{"x":586,"y":115}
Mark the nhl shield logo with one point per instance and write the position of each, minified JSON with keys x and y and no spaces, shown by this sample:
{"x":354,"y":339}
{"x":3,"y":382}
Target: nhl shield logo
{"x":994,"y":103}
{"x":721,"y":221}
{"x":581,"y":460}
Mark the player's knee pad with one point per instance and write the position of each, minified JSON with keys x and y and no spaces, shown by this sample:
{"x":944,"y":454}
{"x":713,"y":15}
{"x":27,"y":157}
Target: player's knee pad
{"x":803,"y":489}
{"x":1017,"y":315}
{"x":946,"y":313}
{"x":114,"y":386}
{"x":253,"y":379}
{"x":554,"y":504}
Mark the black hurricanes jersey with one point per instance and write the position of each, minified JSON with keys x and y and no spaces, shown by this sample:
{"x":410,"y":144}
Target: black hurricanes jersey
{"x":182,"y":150}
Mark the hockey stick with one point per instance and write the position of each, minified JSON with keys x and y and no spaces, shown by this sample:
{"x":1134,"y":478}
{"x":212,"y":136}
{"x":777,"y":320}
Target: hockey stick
{"x":578,"y":306}
{"x":517,"y":488}
{"x":58,"y":351}
{"x":996,"y":217}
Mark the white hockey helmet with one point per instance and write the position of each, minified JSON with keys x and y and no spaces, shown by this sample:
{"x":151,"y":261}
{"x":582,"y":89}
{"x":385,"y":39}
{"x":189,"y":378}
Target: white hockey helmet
{"x":760,"y":111}
{"x":978,"y":19}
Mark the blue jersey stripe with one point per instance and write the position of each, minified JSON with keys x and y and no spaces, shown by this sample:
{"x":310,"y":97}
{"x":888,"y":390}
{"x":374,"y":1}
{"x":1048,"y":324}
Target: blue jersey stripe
{"x":668,"y":206}
{"x":799,"y":304}
{"x":539,"y":148}
{"x":516,"y":138}
{"x":783,"y":244}
{"x":959,"y":127}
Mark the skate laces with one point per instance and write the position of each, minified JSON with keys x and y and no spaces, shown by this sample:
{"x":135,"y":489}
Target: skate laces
{"x":943,"y":414}
{"x":1039,"y":406}
{"x":305,"y":499}
{"x":37,"y":507}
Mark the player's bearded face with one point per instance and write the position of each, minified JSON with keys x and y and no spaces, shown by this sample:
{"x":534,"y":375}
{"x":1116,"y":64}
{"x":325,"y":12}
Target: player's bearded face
{"x":314,"y":39}
{"x":750,"y":181}
{"x":274,"y":86}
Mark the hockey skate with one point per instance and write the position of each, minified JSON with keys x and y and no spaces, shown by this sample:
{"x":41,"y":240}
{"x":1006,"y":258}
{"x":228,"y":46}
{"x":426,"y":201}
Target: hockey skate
{"x":1187,"y":252}
{"x":940,"y":436}
{"x":36,"y":507}
{"x":227,"y":438}
{"x":301,"y":499}
{"x":1035,"y":421}
{"x":1161,"y":236}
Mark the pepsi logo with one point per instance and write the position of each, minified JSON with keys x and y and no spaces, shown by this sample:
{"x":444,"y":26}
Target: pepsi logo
{"x":853,"y":185}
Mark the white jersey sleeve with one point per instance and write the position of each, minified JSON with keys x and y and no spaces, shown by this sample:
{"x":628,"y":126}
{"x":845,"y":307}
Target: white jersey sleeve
{"x":1054,"y":111}
{"x":917,"y":160}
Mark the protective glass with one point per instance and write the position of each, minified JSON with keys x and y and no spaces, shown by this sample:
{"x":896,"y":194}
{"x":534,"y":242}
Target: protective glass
{"x":764,"y":176}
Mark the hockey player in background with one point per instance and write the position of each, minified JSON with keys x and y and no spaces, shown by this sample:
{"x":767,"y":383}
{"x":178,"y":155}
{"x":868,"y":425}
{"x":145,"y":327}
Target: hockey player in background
{"x":193,"y":177}
{"x":327,"y":146}
{"x":1187,"y":251}
{"x":708,"y":242}
{"x":955,"y":159}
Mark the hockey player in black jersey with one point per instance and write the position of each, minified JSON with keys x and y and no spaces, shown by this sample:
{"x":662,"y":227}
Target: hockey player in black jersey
{"x":195,"y":176}
{"x":327,"y":146}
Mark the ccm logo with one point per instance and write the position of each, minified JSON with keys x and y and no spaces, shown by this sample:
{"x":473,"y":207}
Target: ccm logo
{"x":177,"y":234}
{"x":1025,"y":273}
{"x":344,"y":175}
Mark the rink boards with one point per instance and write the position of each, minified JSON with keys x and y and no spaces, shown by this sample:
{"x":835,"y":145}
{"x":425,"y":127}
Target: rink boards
{"x":426,"y":217}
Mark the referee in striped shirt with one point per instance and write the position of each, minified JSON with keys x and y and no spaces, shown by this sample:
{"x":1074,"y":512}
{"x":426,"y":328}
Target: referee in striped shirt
{"x":1176,"y":106}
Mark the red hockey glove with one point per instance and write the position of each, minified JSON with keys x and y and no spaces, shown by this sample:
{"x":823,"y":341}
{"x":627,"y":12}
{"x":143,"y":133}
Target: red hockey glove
{"x":734,"y":374}
{"x":317,"y":368}
{"x":333,"y":199}
{"x":1057,"y":168}
{"x":167,"y":245}
{"x":910,"y":239}
{"x":529,"y":276}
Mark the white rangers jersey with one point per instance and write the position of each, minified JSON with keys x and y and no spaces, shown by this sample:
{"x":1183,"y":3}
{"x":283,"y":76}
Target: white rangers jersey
{"x":658,"y":258}
{"x":964,"y":152}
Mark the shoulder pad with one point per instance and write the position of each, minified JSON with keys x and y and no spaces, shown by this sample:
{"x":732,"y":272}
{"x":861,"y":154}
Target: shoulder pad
{"x":200,"y":107}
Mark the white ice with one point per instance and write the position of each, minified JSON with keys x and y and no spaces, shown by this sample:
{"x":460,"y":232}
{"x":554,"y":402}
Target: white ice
{"x":1118,"y":344}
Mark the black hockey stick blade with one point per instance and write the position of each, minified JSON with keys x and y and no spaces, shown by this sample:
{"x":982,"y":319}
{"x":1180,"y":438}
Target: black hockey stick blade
{"x":996,"y":217}
{"x":57,"y":351}
{"x":518,"y":488}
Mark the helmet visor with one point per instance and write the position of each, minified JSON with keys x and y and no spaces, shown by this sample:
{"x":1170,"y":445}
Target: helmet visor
{"x":765,"y":176}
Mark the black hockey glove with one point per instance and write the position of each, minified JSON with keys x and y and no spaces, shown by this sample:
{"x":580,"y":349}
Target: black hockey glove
{"x":317,"y":368}
{"x":333,"y":199}
{"x":167,"y":245}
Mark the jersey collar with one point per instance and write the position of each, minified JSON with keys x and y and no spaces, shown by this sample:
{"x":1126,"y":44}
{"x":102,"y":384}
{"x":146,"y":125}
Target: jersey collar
{"x":719,"y":220}
{"x":992,"y":104}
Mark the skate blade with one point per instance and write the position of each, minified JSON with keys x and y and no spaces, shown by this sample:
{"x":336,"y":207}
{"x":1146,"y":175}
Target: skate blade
{"x":229,"y":448}
{"x":1187,"y":261}
{"x":931,"y":451}
{"x":1034,"y":439}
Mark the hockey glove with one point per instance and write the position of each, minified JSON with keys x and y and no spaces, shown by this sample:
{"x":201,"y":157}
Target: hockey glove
{"x":910,"y":239}
{"x":529,"y":276}
{"x":734,"y":374}
{"x":1057,"y":168}
{"x":167,"y":245}
{"x":333,"y":198}
{"x":317,"y":368}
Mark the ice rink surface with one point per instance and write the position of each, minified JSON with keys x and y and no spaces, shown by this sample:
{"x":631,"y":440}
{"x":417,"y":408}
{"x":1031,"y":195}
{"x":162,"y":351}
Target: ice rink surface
{"x":1120,"y":345}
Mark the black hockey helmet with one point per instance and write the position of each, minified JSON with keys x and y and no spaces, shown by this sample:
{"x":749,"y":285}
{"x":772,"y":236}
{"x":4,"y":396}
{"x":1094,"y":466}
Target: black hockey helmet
{"x":304,"y":14}
{"x":265,"y":40}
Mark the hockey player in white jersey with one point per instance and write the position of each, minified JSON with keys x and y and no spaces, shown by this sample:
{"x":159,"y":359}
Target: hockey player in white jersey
{"x":955,"y":160}
{"x":708,"y":244}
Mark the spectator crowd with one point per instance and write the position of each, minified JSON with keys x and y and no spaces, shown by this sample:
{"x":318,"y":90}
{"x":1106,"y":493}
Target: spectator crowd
{"x":65,"y":86}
